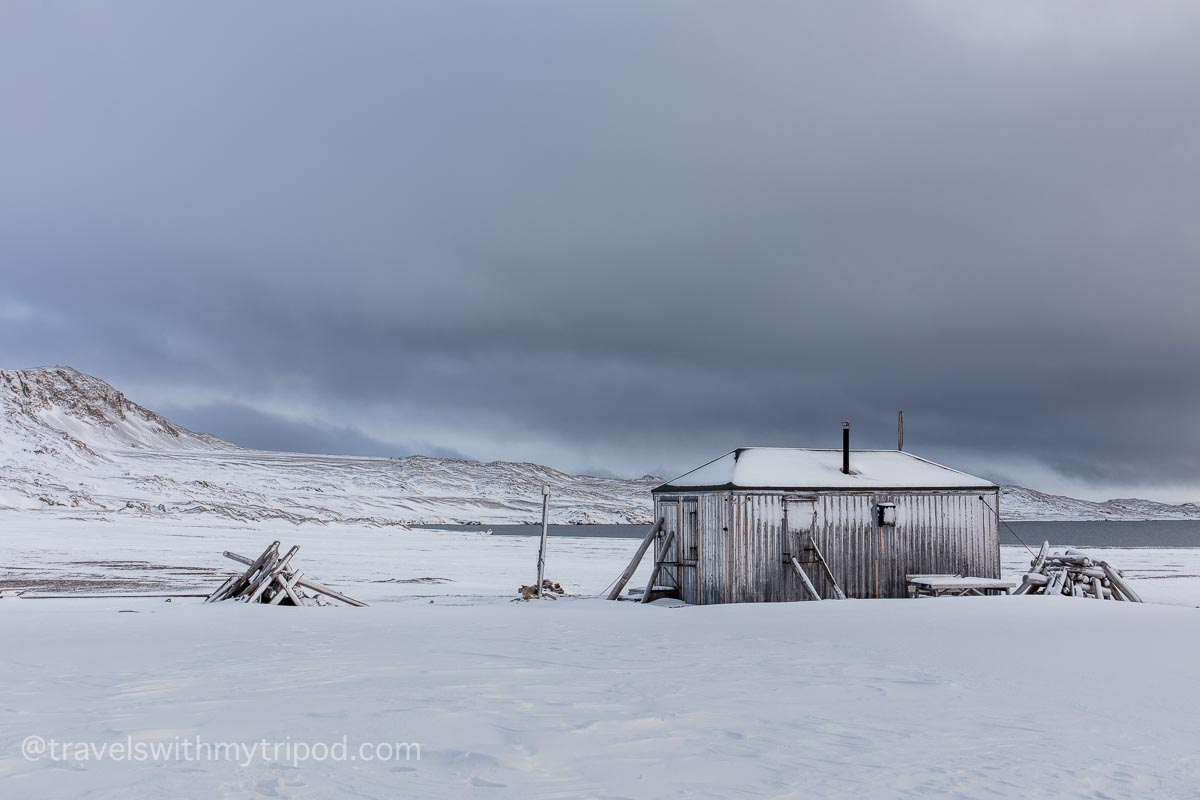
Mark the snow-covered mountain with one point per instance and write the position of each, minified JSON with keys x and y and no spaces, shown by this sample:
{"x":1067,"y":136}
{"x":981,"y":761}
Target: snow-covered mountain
{"x":1018,"y":503}
{"x":69,"y":441}
{"x":73,"y":443}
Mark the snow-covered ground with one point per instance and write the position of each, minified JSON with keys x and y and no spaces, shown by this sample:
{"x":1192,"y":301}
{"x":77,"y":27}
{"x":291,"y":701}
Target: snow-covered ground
{"x":48,"y":552}
{"x":987,"y":697}
{"x":973,"y":697}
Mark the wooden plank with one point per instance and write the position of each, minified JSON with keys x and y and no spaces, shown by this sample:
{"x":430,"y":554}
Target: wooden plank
{"x":837,"y":590}
{"x":290,"y":588}
{"x":1117,"y":582}
{"x":287,"y":582}
{"x":657,"y":568}
{"x":1037,"y":579}
{"x":280,"y":584}
{"x":627,"y":574}
{"x":804,"y":579}
{"x":222,"y":589}
{"x":309,"y":583}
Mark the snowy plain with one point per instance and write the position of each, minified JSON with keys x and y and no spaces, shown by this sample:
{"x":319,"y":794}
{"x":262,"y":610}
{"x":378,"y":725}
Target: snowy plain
{"x":578,"y":697}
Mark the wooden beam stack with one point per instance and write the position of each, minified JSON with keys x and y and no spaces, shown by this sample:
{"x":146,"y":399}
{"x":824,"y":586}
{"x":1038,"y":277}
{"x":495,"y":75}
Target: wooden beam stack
{"x":274,"y":580}
{"x":1075,"y":574}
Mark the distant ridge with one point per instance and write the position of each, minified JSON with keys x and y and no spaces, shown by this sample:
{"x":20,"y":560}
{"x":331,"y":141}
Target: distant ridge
{"x":69,"y":440}
{"x":1018,"y":503}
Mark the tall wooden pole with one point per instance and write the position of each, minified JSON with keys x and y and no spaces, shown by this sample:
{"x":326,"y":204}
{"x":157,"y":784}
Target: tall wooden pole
{"x":542,"y":548}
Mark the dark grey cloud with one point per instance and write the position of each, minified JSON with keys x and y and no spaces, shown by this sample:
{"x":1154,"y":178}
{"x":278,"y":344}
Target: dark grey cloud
{"x":621,"y":236}
{"x":262,"y":430}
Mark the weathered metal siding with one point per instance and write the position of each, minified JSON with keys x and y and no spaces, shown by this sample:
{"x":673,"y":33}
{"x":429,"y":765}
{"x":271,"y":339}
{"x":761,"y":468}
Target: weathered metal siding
{"x":848,"y":537}
{"x":742,"y":538}
{"x":713,"y":569}
{"x":947,"y":532}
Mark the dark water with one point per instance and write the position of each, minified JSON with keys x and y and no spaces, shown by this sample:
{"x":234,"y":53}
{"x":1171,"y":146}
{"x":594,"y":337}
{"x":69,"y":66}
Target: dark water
{"x":1136,"y":533}
{"x":1154,"y":533}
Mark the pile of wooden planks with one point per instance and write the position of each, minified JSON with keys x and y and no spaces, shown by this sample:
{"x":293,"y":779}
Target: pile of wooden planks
{"x":1075,"y":574}
{"x":274,"y":579}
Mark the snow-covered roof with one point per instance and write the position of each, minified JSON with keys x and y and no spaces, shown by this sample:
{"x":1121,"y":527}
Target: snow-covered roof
{"x":802,"y":468}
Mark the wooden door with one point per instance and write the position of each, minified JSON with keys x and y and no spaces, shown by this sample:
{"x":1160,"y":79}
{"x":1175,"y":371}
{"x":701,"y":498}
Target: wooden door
{"x":689,"y":548}
{"x":664,"y":553}
{"x":799,"y":523}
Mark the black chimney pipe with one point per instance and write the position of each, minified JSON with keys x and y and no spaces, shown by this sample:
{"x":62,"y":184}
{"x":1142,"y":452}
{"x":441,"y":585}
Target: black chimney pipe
{"x":846,"y":447}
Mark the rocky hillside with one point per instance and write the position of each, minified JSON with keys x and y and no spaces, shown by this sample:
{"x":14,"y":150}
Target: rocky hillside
{"x":70,"y":441}
{"x":1017,"y":503}
{"x":61,"y":412}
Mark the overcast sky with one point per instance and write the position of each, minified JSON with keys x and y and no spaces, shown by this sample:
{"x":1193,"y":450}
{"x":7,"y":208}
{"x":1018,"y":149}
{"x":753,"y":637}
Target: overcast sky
{"x":621,"y":237}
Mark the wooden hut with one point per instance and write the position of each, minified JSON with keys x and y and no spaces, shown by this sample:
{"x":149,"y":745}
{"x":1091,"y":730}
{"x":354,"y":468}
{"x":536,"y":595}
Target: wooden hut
{"x":764,"y":524}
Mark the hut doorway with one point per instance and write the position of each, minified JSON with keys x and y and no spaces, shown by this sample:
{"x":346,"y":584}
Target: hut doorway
{"x":689,"y":546}
{"x":666,"y":549}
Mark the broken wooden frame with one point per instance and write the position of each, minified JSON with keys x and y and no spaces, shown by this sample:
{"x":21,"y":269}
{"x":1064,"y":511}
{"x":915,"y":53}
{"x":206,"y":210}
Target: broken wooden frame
{"x":273,"y":580}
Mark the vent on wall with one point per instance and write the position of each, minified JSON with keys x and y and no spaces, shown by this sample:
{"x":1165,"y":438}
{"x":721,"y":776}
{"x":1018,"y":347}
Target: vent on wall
{"x":887,"y":513}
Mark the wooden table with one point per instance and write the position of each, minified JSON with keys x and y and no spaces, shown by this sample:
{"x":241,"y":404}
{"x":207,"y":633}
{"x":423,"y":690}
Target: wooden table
{"x":956,"y":586}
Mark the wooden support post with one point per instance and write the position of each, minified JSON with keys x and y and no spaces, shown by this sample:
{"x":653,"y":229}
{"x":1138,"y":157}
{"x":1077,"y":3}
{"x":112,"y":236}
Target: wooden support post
{"x":804,"y":579}
{"x":1117,"y":582}
{"x":542,"y":549}
{"x":657,"y":567}
{"x":619,"y":586}
{"x":837,"y":590}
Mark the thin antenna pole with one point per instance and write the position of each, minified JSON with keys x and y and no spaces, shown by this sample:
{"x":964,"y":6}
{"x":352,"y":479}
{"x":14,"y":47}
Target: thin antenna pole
{"x":900,"y":431}
{"x":542,"y":548}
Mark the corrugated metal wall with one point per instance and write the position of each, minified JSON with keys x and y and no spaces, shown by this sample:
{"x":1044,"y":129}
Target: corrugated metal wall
{"x":742,"y":540}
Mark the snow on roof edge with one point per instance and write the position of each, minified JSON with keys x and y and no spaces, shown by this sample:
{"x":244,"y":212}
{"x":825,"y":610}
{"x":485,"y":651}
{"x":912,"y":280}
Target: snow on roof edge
{"x":796,"y":468}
